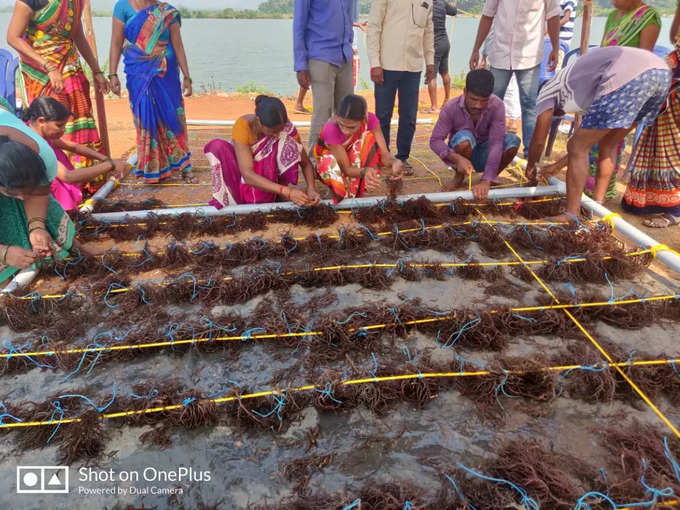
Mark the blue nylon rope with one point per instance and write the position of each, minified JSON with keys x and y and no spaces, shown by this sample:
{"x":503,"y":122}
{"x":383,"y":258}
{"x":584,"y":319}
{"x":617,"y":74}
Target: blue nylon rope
{"x":99,"y":409}
{"x":529,"y":503}
{"x":5,"y":414}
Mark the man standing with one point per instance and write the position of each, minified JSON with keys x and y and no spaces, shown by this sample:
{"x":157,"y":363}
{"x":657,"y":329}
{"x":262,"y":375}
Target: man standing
{"x":442,"y":47}
{"x":567,"y":19}
{"x":470,"y":134}
{"x":400,"y":37}
{"x":519,"y":26}
{"x":322,"y":45}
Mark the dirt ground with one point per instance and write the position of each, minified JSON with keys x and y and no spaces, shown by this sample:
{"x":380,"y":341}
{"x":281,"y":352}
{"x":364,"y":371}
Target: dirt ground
{"x":231,"y":106}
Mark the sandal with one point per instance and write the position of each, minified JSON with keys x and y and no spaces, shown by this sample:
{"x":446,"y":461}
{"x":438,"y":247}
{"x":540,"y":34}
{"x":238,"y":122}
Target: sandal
{"x":663,"y":221}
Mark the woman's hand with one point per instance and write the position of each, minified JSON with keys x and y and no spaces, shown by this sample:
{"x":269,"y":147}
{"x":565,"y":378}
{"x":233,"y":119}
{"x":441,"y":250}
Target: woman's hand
{"x":549,"y":170}
{"x":19,"y":257}
{"x":119,"y":170}
{"x":114,"y":83}
{"x":100,"y":83}
{"x":397,"y":170}
{"x":313,"y":195}
{"x":187,"y":86}
{"x":299,"y":197}
{"x":56,"y":80}
{"x":372,"y":179}
{"x":41,"y":242}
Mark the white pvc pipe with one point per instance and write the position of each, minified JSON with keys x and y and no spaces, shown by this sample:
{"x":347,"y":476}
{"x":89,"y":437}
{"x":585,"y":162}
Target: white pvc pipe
{"x":21,"y":279}
{"x":88,"y":206}
{"x":296,"y":123}
{"x":669,"y":258}
{"x":494,"y":194}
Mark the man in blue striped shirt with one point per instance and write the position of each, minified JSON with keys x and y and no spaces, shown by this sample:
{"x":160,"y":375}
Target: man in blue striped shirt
{"x":567,"y":20}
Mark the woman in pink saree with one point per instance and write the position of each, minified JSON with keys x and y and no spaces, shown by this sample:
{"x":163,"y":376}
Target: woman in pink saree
{"x":261,"y":164}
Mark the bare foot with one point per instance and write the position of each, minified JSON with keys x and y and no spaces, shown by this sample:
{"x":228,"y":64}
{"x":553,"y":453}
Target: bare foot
{"x":564,"y":218}
{"x":301,"y":109}
{"x":431,"y":110}
{"x":189,"y":178}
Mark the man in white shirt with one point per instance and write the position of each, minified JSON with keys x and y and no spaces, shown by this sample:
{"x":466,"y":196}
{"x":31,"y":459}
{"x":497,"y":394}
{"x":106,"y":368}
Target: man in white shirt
{"x":519,"y":26}
{"x":400,"y":38}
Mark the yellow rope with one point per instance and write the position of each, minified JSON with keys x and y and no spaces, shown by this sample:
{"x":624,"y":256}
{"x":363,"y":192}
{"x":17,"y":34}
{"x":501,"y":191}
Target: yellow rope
{"x":352,"y":382}
{"x":379,"y":265}
{"x":427,"y":169}
{"x":592,"y":340}
{"x":129,"y":347}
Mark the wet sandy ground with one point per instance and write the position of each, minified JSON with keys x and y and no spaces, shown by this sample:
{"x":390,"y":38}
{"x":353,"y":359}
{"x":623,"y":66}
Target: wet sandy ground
{"x":407,"y":444}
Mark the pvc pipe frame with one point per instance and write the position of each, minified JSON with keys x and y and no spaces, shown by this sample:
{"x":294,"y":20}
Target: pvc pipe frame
{"x":296,"y":123}
{"x":101,"y":194}
{"x":669,"y":258}
{"x":494,"y":194}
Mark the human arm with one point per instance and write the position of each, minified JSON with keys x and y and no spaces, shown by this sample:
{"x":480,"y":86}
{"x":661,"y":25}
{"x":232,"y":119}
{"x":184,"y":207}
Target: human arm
{"x":85,"y":50}
{"x":443,"y":129}
{"x":81,"y":150}
{"x":178,"y":46}
{"x":538,"y":140}
{"x":15,"y":38}
{"x":566,"y":15}
{"x":300,"y":53}
{"x":675,"y":26}
{"x":35,"y":207}
{"x":482,"y":31}
{"x":244,"y":157}
{"x":428,"y":50}
{"x":86,"y":174}
{"x":376,"y":19}
{"x":116,"y":48}
{"x":16,"y":256}
{"x":649,"y":36}
{"x":496,"y":138}
{"x":387,"y":159}
{"x":308,"y":172}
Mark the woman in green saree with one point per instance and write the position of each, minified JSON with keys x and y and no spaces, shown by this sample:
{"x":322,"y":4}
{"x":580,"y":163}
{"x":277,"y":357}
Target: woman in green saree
{"x":33,"y":226}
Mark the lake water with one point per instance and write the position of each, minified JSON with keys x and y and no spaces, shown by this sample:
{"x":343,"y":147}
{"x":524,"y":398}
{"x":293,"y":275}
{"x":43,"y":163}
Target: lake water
{"x":227,"y":54}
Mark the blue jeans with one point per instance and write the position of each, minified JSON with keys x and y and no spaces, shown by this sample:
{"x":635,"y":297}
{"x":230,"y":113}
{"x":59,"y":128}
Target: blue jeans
{"x":527,"y":81}
{"x":480,"y":151}
{"x":408,"y":86}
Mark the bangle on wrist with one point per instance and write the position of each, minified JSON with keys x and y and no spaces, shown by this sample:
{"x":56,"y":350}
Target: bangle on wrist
{"x":188,"y":78}
{"x":112,"y":75}
{"x":97,"y":72}
{"x":113,"y":164}
{"x":37,"y":218}
{"x":3,"y":258}
{"x":33,"y":229}
{"x":362,"y":174}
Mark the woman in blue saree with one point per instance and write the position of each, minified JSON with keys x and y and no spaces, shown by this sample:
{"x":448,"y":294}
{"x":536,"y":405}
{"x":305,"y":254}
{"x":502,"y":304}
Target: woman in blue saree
{"x":147,"y":33}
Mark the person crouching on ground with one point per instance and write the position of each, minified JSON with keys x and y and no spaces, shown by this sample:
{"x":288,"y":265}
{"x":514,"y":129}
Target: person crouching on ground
{"x":262,"y":161}
{"x":615,"y":88}
{"x":474,"y":125}
{"x":48,"y":117}
{"x":351,"y":151}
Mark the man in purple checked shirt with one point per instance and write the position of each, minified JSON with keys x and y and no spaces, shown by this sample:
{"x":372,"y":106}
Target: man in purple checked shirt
{"x":322,"y":46}
{"x":474,"y":125}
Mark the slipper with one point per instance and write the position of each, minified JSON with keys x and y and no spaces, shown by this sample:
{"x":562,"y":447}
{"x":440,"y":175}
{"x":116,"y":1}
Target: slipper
{"x":664,"y":221}
{"x":303,"y":111}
